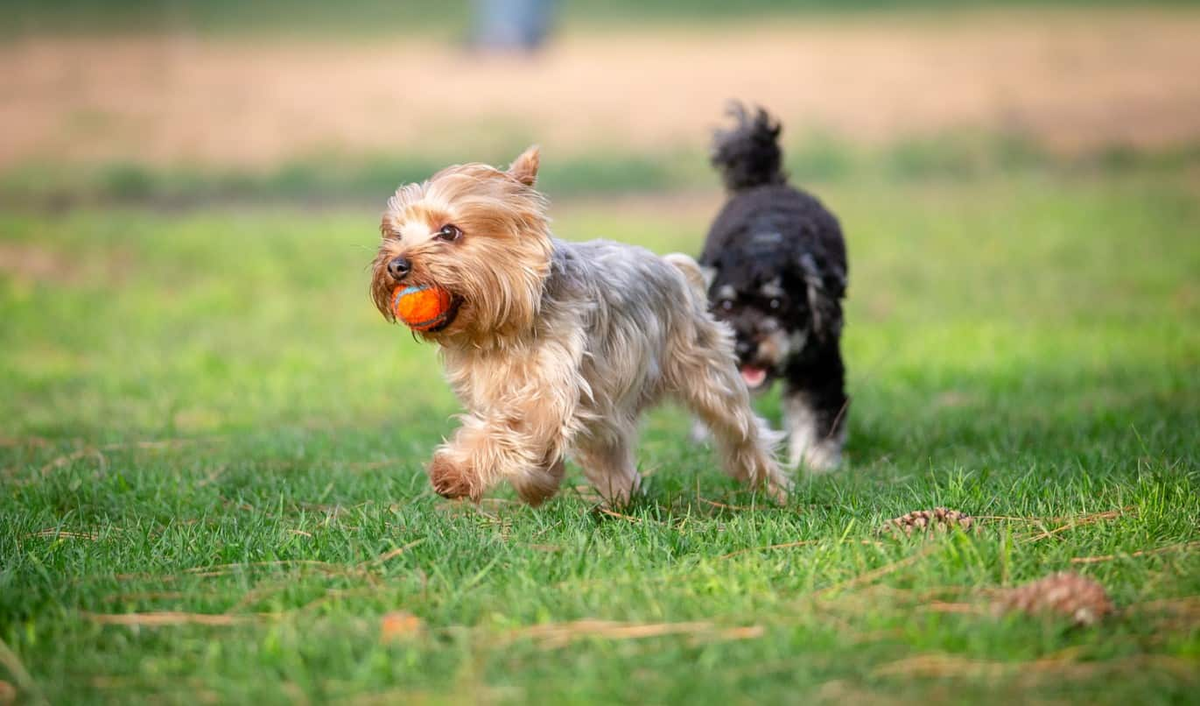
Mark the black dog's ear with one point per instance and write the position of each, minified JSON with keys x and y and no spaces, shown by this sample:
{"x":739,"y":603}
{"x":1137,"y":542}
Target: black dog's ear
{"x":824,"y":299}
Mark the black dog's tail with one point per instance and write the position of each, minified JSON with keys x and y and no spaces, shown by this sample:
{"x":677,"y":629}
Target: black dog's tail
{"x":748,"y":155}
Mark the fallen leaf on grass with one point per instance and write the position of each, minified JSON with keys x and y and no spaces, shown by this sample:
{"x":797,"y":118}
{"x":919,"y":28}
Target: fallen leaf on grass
{"x":8,"y":693}
{"x":399,"y":625}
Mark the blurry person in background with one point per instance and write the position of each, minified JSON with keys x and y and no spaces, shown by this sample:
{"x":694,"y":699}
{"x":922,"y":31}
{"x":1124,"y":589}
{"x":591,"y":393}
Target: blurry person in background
{"x":511,"y":25}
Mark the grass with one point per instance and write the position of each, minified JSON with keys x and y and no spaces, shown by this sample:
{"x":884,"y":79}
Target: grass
{"x":337,"y":177}
{"x":212,"y":450}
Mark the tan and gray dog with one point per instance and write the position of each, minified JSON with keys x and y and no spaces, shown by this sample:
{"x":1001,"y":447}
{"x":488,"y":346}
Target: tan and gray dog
{"x":556,"y":348}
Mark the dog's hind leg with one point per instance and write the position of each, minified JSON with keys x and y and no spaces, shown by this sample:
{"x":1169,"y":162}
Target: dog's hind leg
{"x":608,"y":462}
{"x":701,"y":371}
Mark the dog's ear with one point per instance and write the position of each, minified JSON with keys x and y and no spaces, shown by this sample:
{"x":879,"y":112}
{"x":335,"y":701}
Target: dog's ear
{"x":525,"y":168}
{"x":823,"y":303}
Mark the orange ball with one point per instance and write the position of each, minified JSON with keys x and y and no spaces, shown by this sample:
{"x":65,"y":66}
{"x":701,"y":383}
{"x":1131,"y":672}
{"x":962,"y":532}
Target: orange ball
{"x":421,"y":308}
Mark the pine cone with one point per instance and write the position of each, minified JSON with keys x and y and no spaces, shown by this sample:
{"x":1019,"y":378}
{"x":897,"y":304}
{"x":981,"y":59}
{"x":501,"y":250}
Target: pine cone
{"x":1080,"y":598}
{"x":921,"y":521}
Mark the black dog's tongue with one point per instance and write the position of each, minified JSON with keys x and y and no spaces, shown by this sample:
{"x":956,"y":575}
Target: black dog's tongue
{"x":753,"y":376}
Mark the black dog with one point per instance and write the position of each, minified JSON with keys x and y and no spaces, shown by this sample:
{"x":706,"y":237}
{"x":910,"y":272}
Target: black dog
{"x":776,"y":263}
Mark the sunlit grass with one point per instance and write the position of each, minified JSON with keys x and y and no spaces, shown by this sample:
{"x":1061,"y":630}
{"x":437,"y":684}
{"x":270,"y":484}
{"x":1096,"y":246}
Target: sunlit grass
{"x":202,"y":414}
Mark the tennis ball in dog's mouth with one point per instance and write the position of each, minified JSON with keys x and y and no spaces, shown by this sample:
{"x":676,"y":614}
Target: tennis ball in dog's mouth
{"x":421,"y":308}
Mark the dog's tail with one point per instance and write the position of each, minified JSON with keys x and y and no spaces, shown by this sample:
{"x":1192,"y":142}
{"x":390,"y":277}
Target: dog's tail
{"x":692,"y":273}
{"x":748,"y":154}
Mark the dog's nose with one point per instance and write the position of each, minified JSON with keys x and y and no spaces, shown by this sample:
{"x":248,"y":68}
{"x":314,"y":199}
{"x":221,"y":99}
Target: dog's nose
{"x":399,"y":268}
{"x":744,"y":348}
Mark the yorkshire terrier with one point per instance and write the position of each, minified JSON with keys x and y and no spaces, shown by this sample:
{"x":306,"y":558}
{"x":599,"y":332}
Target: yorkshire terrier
{"x":775,"y":262}
{"x":556,"y":348}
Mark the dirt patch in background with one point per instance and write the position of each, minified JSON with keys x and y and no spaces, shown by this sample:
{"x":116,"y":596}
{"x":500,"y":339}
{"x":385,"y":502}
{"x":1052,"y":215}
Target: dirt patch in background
{"x":1074,"y":80}
{"x":29,"y":263}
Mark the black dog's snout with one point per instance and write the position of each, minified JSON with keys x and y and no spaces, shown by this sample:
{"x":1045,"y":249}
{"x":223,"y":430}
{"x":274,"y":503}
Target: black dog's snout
{"x":399,"y":268}
{"x":744,"y":348}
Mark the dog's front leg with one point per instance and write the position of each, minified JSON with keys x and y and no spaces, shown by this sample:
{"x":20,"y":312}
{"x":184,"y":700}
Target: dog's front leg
{"x":522,"y":423}
{"x":523,"y":446}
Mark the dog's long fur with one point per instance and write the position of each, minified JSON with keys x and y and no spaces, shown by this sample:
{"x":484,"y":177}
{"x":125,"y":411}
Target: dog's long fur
{"x":776,"y":262}
{"x":556,"y":348}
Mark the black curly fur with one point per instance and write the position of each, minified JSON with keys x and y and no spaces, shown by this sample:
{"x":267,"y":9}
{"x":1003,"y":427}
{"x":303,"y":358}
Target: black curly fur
{"x":748,"y":155}
{"x":770,"y":234}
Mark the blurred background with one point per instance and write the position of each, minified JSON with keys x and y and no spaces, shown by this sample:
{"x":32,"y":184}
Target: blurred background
{"x":190,"y":188}
{"x":190,"y":100}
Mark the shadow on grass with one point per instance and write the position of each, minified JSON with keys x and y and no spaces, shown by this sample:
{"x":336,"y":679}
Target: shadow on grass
{"x":1064,"y":429}
{"x":1067,"y":427}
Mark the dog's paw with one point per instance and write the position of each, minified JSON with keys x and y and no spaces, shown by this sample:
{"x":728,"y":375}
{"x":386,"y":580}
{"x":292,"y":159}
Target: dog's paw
{"x":819,"y":456}
{"x":777,"y":492}
{"x":453,"y":480}
{"x":822,"y":457}
{"x":537,"y":486}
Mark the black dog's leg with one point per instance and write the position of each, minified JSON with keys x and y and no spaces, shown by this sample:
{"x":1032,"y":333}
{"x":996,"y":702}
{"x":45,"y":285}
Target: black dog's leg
{"x":815,"y":407}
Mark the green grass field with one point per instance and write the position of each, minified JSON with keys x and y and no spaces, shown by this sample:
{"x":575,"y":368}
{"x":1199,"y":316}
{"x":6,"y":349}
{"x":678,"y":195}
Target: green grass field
{"x":212,"y":447}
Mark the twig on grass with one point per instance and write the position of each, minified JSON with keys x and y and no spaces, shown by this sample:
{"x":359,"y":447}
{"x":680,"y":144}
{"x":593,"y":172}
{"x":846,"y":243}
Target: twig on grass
{"x":11,"y":441}
{"x":882,"y":571}
{"x":98,"y":452}
{"x":391,"y":554}
{"x":1186,"y":604}
{"x":627,"y":518}
{"x":1177,"y":614}
{"x":226,"y":568}
{"x":66,"y":459}
{"x":165,"y":578}
{"x":785,"y":545}
{"x":946,"y":607}
{"x":544,"y":530}
{"x":213,"y":475}
{"x":1143,"y":552}
{"x":258,"y":592}
{"x":801,"y":543}
{"x":1054,"y":667}
{"x":549,"y":548}
{"x":145,"y":596}
{"x":723,"y":506}
{"x":1072,"y":523}
{"x":54,"y":533}
{"x":556,"y":635}
{"x":12,"y":663}
{"x":170,"y":618}
{"x":330,"y":594}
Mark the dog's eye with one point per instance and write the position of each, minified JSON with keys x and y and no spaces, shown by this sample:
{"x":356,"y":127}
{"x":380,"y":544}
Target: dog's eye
{"x":727,"y":304}
{"x":449,"y":233}
{"x":774,"y":303}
